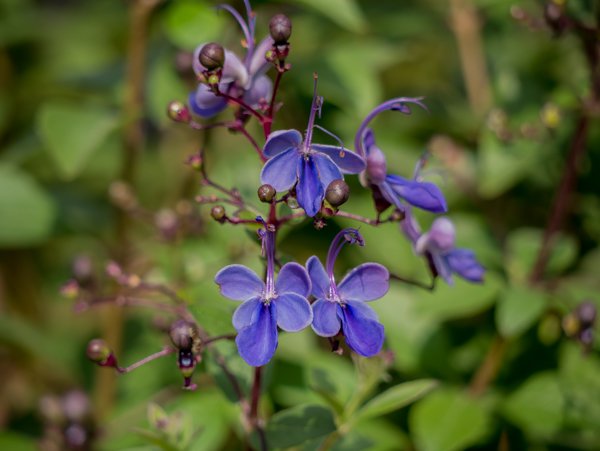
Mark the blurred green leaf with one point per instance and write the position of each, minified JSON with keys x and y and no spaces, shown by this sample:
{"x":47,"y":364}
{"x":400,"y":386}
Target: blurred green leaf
{"x":27,"y":211}
{"x":189,"y":23}
{"x":17,"y":442}
{"x":448,"y":420}
{"x":395,"y":398}
{"x":72,"y":133}
{"x":299,"y":424}
{"x":345,"y":13}
{"x":518,"y":309}
{"x":537,"y":406}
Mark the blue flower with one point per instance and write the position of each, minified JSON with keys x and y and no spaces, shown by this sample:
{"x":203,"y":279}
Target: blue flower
{"x":312,"y":167}
{"x":245,"y":80}
{"x":395,"y":188}
{"x":343,"y":307}
{"x":446,"y":258}
{"x":266,"y":305}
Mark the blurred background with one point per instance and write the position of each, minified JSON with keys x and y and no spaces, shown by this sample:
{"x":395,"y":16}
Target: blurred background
{"x":92,"y":170}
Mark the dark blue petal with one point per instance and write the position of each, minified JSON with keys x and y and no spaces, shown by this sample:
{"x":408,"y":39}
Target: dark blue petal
{"x":424,"y":195}
{"x":364,"y":334}
{"x":280,"y":141}
{"x":318,"y":277}
{"x":327,"y":170}
{"x":309,"y":190}
{"x":293,"y":278}
{"x":246,"y":313}
{"x":325,"y":319}
{"x":257,"y":342}
{"x":349,"y":162}
{"x":205,"y":103}
{"x":293,"y":312}
{"x":366,"y":282}
{"x":281,"y":171}
{"x":239,"y":283}
{"x":464,"y":263}
{"x":390,"y":195}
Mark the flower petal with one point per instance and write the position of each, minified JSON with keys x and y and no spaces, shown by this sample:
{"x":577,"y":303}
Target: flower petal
{"x":464,"y":263}
{"x":205,"y":103}
{"x":442,"y":267}
{"x":257,"y":342}
{"x":280,"y":141}
{"x":293,"y":278}
{"x":390,"y":195}
{"x":233,"y":68}
{"x":280,"y":171}
{"x":325,"y":319}
{"x":327,"y":170}
{"x":318,"y":277}
{"x":309,"y":190}
{"x":239,"y":283}
{"x":246,"y":313}
{"x":424,"y":195}
{"x":349,"y":162}
{"x":366,"y":282}
{"x":293,"y":312}
{"x":364,"y":334}
{"x":376,"y":164}
{"x":261,"y":88}
{"x":258,"y":63}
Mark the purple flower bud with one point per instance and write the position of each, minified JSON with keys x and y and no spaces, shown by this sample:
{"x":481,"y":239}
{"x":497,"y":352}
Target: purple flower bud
{"x":280,"y":29}
{"x":337,"y":193}
{"x":183,"y":334}
{"x":218,"y":213}
{"x":266,"y":193}
{"x":178,"y":112}
{"x":212,"y":56}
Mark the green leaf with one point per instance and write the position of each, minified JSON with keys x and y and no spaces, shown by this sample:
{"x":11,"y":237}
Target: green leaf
{"x":449,"y":420}
{"x":395,"y":398}
{"x":537,"y":406}
{"x":345,"y":13}
{"x":72,"y":133}
{"x":13,"y":441}
{"x":518,"y":309}
{"x":299,"y":424}
{"x":189,"y":23}
{"x":27,"y":211}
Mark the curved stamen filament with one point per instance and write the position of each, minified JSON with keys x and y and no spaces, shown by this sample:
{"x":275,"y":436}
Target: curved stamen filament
{"x":314,"y":107}
{"x":345,"y":236}
{"x":248,"y":35}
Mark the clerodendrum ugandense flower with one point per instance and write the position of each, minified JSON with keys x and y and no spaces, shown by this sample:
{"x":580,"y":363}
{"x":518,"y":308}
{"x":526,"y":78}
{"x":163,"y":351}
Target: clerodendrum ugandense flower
{"x":245,"y":79}
{"x":394,"y":188}
{"x":342,"y":307}
{"x":309,"y":166}
{"x":439,"y":243}
{"x":280,"y":301}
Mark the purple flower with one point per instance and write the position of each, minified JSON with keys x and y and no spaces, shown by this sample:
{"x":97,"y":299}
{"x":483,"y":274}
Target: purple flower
{"x":395,"y":188}
{"x":266,"y":305}
{"x":246,"y":80}
{"x":312,"y":167}
{"x":344,"y":306}
{"x":446,"y":258}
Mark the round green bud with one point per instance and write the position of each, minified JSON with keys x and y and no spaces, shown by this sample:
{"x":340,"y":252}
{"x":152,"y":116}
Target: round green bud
{"x":217,"y":212}
{"x":213,"y":79}
{"x":266,"y":193}
{"x":337,"y":193}
{"x":280,"y":28}
{"x":98,"y":351}
{"x":178,"y":112}
{"x":212,"y":56}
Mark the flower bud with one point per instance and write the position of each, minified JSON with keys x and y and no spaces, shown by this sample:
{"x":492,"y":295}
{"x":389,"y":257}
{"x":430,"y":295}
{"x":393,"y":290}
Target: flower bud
{"x":195,"y":161}
{"x":70,"y":289}
{"x":280,"y":28}
{"x":178,"y":112}
{"x":218,"y":212}
{"x":98,"y":351}
{"x":266,"y":193}
{"x":183,"y":334}
{"x":337,"y":193}
{"x":212,"y":56}
{"x":586,"y":313}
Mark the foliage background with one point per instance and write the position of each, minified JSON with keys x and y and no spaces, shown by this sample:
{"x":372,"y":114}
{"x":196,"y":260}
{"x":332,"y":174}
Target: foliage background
{"x":498,"y":155}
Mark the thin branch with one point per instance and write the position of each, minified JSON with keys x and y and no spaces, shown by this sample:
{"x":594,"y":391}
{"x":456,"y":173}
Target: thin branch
{"x":428,"y":287}
{"x":150,"y":358}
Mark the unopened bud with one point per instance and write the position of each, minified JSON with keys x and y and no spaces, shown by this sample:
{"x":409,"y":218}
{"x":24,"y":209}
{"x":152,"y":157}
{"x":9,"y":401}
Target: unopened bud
{"x":550,"y":115}
{"x":98,"y":351}
{"x":70,"y":289}
{"x":266,"y":193}
{"x":212,"y":56}
{"x":337,"y":193}
{"x":178,"y":112}
{"x":586,"y":313}
{"x":217,"y":212}
{"x":195,"y":161}
{"x":214,"y":79}
{"x":183,"y":334}
{"x":280,"y":28}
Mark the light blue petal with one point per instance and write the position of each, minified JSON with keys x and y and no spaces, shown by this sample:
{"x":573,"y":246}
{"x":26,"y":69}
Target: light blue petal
{"x":281,"y":171}
{"x":309,"y":190}
{"x":280,"y":141}
{"x":293,"y":278}
{"x":325,"y":318}
{"x":348,"y":161}
{"x":318,"y":277}
{"x":364,"y":334}
{"x":257,"y":342}
{"x":239,"y":283}
{"x":205,"y":103}
{"x":293,"y":312}
{"x":366,"y":282}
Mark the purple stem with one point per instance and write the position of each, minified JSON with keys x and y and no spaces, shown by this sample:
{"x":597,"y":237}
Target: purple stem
{"x":313,"y":111}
